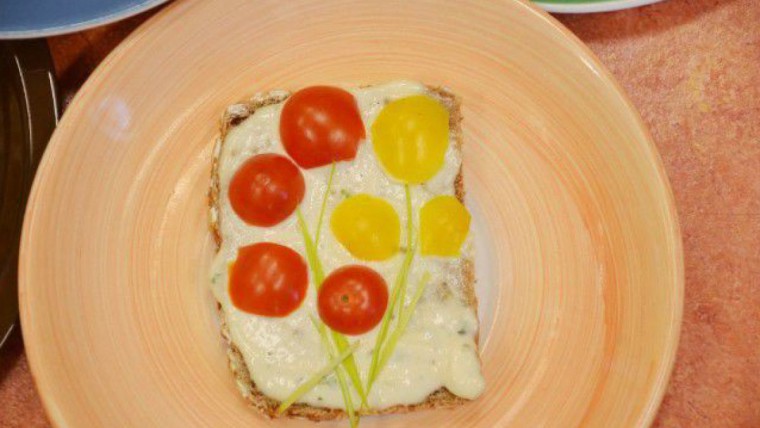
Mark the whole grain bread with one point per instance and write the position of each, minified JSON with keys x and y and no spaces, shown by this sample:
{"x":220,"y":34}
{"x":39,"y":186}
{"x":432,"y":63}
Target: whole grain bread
{"x":440,"y":398}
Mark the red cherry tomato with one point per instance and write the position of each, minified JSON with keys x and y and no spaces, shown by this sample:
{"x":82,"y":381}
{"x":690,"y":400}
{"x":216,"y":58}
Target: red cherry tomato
{"x":268,"y":279}
{"x":352,"y":299}
{"x":320,"y":125}
{"x":266,"y":189}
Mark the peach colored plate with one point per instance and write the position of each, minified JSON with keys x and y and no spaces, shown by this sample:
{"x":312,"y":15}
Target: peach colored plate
{"x":579,"y":251}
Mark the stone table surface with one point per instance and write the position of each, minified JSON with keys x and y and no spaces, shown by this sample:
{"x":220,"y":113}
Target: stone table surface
{"x":692,"y":68}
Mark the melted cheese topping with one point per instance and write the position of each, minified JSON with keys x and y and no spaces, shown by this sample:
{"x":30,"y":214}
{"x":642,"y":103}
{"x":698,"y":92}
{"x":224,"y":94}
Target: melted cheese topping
{"x":437,"y":350}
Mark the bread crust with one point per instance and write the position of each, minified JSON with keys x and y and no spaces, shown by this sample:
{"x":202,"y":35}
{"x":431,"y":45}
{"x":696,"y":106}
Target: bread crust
{"x":441,"y":398}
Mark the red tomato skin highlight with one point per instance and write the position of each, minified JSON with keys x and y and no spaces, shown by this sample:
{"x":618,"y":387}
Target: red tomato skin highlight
{"x":352,"y":299}
{"x":268,"y":279}
{"x":266,"y":189}
{"x":320,"y":125}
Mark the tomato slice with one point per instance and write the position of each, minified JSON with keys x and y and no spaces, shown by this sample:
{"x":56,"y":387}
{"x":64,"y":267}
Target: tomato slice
{"x":320,"y":125}
{"x":266,"y":189}
{"x":352,"y":299}
{"x":268,"y":279}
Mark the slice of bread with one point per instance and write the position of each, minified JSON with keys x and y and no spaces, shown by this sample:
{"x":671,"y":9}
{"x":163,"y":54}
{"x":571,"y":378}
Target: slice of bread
{"x":440,"y":398}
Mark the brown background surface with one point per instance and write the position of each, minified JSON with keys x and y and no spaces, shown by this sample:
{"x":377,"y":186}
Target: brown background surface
{"x":692,"y":68}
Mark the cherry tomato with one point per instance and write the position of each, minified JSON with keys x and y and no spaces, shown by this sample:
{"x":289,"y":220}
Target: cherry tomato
{"x":266,"y":189}
{"x":352,"y":299}
{"x":320,"y":125}
{"x":367,"y":226}
{"x":410,"y":137}
{"x":268,"y":279}
{"x":444,"y":224}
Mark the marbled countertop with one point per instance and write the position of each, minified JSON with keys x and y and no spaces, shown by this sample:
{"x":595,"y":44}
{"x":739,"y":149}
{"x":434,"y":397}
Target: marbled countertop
{"x":692,"y":68}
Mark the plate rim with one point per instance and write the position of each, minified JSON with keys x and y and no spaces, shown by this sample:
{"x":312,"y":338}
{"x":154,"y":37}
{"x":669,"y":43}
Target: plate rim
{"x":593,"y":6}
{"x":591,"y":61}
{"x":602,"y":72}
{"x":83,"y":25}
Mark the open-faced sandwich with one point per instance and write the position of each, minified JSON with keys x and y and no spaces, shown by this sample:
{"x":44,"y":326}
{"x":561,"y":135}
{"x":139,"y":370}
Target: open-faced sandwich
{"x":344,"y":274}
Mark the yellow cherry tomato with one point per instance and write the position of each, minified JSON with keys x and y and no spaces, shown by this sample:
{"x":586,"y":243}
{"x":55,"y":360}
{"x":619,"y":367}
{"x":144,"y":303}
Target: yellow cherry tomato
{"x":410,"y":137}
{"x":368,"y":227}
{"x":444,"y":223}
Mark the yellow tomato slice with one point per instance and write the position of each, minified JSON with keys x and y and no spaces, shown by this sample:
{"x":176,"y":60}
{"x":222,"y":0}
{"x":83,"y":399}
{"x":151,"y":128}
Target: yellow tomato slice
{"x":444,"y":224}
{"x":410,"y":137}
{"x":367,"y":226}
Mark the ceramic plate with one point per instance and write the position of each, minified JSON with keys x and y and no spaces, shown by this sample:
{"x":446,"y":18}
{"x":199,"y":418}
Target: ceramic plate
{"x":591,"y":6}
{"x":41,"y":18}
{"x":580,"y":266}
